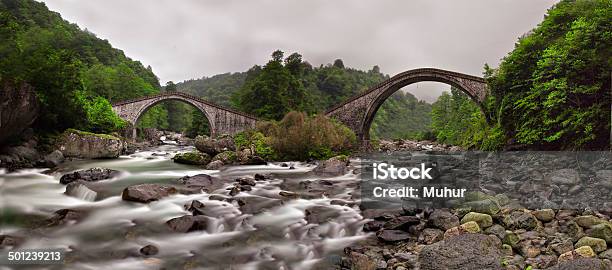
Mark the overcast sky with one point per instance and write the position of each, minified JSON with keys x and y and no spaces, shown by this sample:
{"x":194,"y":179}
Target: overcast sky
{"x":194,"y":38}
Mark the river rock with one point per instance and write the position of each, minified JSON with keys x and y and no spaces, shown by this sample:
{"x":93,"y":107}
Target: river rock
{"x":79,"y":190}
{"x":7,"y":241}
{"x":53,"y":159}
{"x":565,"y":177}
{"x":520,"y":220}
{"x":80,"y":144}
{"x":214,"y":146}
{"x":443,"y":219}
{"x":192,"y":158}
{"x":588,"y":221}
{"x":145,"y":193}
{"x":391,"y":236}
{"x":335,"y":166}
{"x":581,"y":252}
{"x":149,"y":250}
{"x":200,"y":182}
{"x":582,"y":264}
{"x":65,"y":216}
{"x":602,"y":231}
{"x":483,"y":220}
{"x":465,"y":251}
{"x":89,"y":175}
{"x":544,"y":215}
{"x":188,"y":223}
{"x":18,"y":108}
{"x":215,"y":165}
{"x":246,"y":157}
{"x":597,"y":244}
{"x":227,"y":157}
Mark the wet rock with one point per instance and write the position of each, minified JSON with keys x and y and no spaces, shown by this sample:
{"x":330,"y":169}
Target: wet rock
{"x":582,"y":264}
{"x":215,"y":165}
{"x":145,"y":193}
{"x":255,"y":205}
{"x":89,"y":175}
{"x":80,"y":190}
{"x":234,"y":190}
{"x":80,"y":144}
{"x":373,"y":226}
{"x":402,"y":223}
{"x":544,"y":215}
{"x":188,"y":223}
{"x":65,"y":216}
{"x":602,"y":231}
{"x":53,"y":159}
{"x":260,"y":177}
{"x":201,"y":182}
{"x":320,"y":214}
{"x":246,"y":181}
{"x":10,"y":241}
{"x":335,"y":166}
{"x":520,"y":220}
{"x":597,"y":244}
{"x":443,"y":219}
{"x":466,"y":251}
{"x":391,"y":236}
{"x":149,"y":250}
{"x":288,"y":194}
{"x":483,"y":220}
{"x":192,"y":158}
{"x":246,"y":157}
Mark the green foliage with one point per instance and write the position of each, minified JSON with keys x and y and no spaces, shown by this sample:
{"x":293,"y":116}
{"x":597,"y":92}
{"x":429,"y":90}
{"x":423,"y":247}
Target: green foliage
{"x":300,"y":137}
{"x":70,"y":69}
{"x":553,"y":90}
{"x":99,"y":114}
{"x":457,"y":120}
{"x":402,"y":116}
{"x":256,"y":141}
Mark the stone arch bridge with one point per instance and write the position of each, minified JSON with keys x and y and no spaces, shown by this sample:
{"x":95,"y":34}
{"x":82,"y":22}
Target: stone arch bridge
{"x":221,"y":120}
{"x":358,"y":112}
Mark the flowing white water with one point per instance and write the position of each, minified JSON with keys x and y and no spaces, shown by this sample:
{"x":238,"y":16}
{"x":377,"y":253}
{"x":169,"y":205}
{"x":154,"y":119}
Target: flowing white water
{"x":275,"y":236}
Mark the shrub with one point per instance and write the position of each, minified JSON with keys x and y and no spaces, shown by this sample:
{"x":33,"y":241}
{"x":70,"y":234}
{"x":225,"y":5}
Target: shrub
{"x":300,"y":137}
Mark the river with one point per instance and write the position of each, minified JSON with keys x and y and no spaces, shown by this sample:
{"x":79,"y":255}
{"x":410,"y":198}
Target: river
{"x":280,"y":236}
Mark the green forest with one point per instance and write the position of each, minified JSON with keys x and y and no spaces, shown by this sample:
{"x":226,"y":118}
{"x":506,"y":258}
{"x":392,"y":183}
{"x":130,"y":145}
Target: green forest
{"x":551,"y":92}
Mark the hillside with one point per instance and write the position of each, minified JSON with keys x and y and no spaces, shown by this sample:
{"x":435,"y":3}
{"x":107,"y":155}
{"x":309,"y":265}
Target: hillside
{"x":74,"y":73}
{"x":402,"y":116}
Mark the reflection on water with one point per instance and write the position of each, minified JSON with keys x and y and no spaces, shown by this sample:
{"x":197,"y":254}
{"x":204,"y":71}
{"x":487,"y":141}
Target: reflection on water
{"x":274,"y":233}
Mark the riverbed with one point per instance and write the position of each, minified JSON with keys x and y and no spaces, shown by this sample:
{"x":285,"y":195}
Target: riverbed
{"x":274,"y":232}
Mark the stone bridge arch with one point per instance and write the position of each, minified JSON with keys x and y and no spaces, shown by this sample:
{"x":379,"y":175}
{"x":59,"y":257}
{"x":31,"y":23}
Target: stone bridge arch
{"x":222,"y":120}
{"x":358,"y":112}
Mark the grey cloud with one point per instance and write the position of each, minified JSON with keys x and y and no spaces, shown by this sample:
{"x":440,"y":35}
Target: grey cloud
{"x":194,"y":38}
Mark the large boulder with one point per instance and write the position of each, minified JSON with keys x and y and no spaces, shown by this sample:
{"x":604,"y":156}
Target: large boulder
{"x":213,"y":146}
{"x":227,"y":157}
{"x":335,"y":166}
{"x":464,"y":251}
{"x":145,"y":193}
{"x":246,"y":157}
{"x":192,"y":158}
{"x":53,"y":159}
{"x":80,"y":190}
{"x":18,"y":109}
{"x":89,"y":175}
{"x":583,"y":264}
{"x":201,"y":182}
{"x":81,"y":144}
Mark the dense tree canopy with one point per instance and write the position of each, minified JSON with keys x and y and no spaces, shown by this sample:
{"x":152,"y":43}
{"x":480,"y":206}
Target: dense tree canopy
{"x":553,"y":90}
{"x":74,"y":73}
